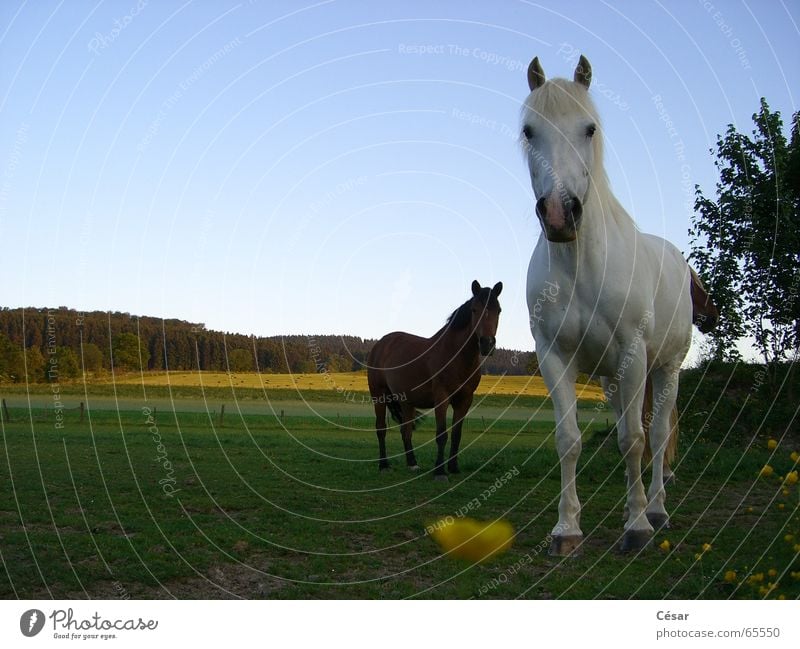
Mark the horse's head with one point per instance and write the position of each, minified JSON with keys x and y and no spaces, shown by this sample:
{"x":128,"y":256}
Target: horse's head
{"x":485,"y":315}
{"x":559,"y":122}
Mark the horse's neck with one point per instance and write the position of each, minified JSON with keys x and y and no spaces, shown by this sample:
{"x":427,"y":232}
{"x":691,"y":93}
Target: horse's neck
{"x":456,"y":342}
{"x":606,"y":235}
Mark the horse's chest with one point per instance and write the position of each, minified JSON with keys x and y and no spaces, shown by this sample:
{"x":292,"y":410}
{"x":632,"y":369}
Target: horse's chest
{"x":572,"y":323}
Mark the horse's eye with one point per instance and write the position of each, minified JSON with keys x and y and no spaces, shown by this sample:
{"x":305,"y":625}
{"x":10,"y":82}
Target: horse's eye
{"x":590,"y":130}
{"x":527,"y":132}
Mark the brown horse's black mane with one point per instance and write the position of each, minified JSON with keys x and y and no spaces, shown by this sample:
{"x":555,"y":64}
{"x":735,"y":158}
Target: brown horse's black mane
{"x":462,"y":316}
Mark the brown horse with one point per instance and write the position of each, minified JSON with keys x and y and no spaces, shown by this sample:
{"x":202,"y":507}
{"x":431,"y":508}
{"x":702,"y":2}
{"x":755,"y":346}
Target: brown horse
{"x":406,"y":372}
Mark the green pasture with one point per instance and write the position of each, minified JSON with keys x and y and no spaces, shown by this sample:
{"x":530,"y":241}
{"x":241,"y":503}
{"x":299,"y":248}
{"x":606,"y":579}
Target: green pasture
{"x":124,"y":505}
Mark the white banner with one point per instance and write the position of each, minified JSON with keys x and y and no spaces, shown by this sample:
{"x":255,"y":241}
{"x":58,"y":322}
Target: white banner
{"x":400,"y":624}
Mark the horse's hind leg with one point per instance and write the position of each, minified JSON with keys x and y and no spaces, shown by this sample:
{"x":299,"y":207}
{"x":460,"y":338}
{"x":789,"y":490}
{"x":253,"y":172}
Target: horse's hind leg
{"x":406,"y":429}
{"x":665,"y":393}
{"x":647,"y":417}
{"x":380,"y":430}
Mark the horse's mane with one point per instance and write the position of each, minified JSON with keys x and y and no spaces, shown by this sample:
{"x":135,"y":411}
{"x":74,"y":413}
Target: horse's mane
{"x":462,"y":316}
{"x":563,"y":97}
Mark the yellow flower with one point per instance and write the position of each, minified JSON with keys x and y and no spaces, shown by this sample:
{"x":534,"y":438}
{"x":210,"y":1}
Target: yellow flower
{"x":789,"y":538}
{"x":766,"y":471}
{"x":665,"y":545}
{"x":796,"y":547}
{"x":785,"y":492}
{"x":472,"y":540}
{"x":791,"y":478}
{"x":772,"y":444}
{"x":706,"y":547}
{"x":749,"y":510}
{"x":763,"y":591}
{"x":730,"y":576}
{"x":772,"y":572}
{"x":781,"y":597}
{"x":795,"y":456}
{"x":781,"y":506}
{"x":698,"y":556}
{"x":795,"y":575}
{"x":756,"y":578}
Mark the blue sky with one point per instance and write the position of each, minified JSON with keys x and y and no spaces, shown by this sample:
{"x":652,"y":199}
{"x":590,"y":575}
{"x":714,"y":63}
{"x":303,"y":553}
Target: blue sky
{"x":341,"y":167}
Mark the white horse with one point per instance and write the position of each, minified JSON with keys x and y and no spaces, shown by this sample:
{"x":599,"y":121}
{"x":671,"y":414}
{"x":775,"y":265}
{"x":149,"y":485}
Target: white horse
{"x":603,"y":298}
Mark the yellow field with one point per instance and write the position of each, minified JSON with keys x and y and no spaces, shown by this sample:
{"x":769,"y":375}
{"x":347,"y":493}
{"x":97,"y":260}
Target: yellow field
{"x":346,"y":381}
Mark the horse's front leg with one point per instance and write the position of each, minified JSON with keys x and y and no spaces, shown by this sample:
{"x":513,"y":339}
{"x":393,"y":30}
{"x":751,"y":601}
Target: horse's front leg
{"x":441,"y":438}
{"x":460,"y":408}
{"x":560,"y":380}
{"x":665,"y":394}
{"x":630,"y":379}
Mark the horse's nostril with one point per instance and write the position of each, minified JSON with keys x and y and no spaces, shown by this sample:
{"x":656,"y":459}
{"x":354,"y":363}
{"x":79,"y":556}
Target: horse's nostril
{"x":577,"y":208}
{"x":541,"y":210}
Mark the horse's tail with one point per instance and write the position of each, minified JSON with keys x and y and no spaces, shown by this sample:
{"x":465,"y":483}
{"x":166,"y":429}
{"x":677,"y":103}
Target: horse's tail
{"x":671,"y":452}
{"x":395,"y":411}
{"x":705,"y":314}
{"x":397,"y":414}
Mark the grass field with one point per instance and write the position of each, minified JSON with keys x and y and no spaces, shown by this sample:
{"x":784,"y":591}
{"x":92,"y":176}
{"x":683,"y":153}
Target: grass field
{"x":530,"y":386}
{"x":120,"y":505}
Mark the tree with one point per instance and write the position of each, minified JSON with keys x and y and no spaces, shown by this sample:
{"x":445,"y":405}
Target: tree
{"x":240,"y":360}
{"x":67,"y":365}
{"x":35,"y":363}
{"x":92,"y":358}
{"x":746,"y":243}
{"x":128,"y":354}
{"x":12,"y":367}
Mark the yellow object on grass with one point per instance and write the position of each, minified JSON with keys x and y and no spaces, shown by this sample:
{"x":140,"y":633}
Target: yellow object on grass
{"x":466,"y":538}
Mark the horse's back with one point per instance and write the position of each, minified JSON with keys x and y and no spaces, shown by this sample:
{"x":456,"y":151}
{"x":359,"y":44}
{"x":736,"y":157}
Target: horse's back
{"x":394,"y":356}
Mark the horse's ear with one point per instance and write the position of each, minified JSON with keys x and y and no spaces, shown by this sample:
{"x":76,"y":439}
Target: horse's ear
{"x":583,"y":72}
{"x":498,"y":288}
{"x":535,"y":74}
{"x":476,"y":287}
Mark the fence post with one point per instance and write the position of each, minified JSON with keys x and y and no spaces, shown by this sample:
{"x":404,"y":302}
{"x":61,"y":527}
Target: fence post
{"x":82,"y":410}
{"x":5,"y":412}
{"x":221,"y":413}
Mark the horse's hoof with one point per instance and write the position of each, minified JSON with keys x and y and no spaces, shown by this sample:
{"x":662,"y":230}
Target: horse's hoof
{"x":658,"y":521}
{"x":566,"y":546}
{"x":414,"y":467}
{"x":635,"y":540}
{"x":441,"y":477}
{"x":453,"y":469}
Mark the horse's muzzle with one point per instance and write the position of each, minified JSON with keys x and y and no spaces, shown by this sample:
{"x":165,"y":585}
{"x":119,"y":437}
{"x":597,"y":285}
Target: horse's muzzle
{"x":486,"y":345}
{"x":560,"y":217}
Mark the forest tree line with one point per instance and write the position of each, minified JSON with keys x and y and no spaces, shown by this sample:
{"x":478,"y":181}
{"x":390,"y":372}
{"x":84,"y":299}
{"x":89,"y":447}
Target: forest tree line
{"x":61,"y":343}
